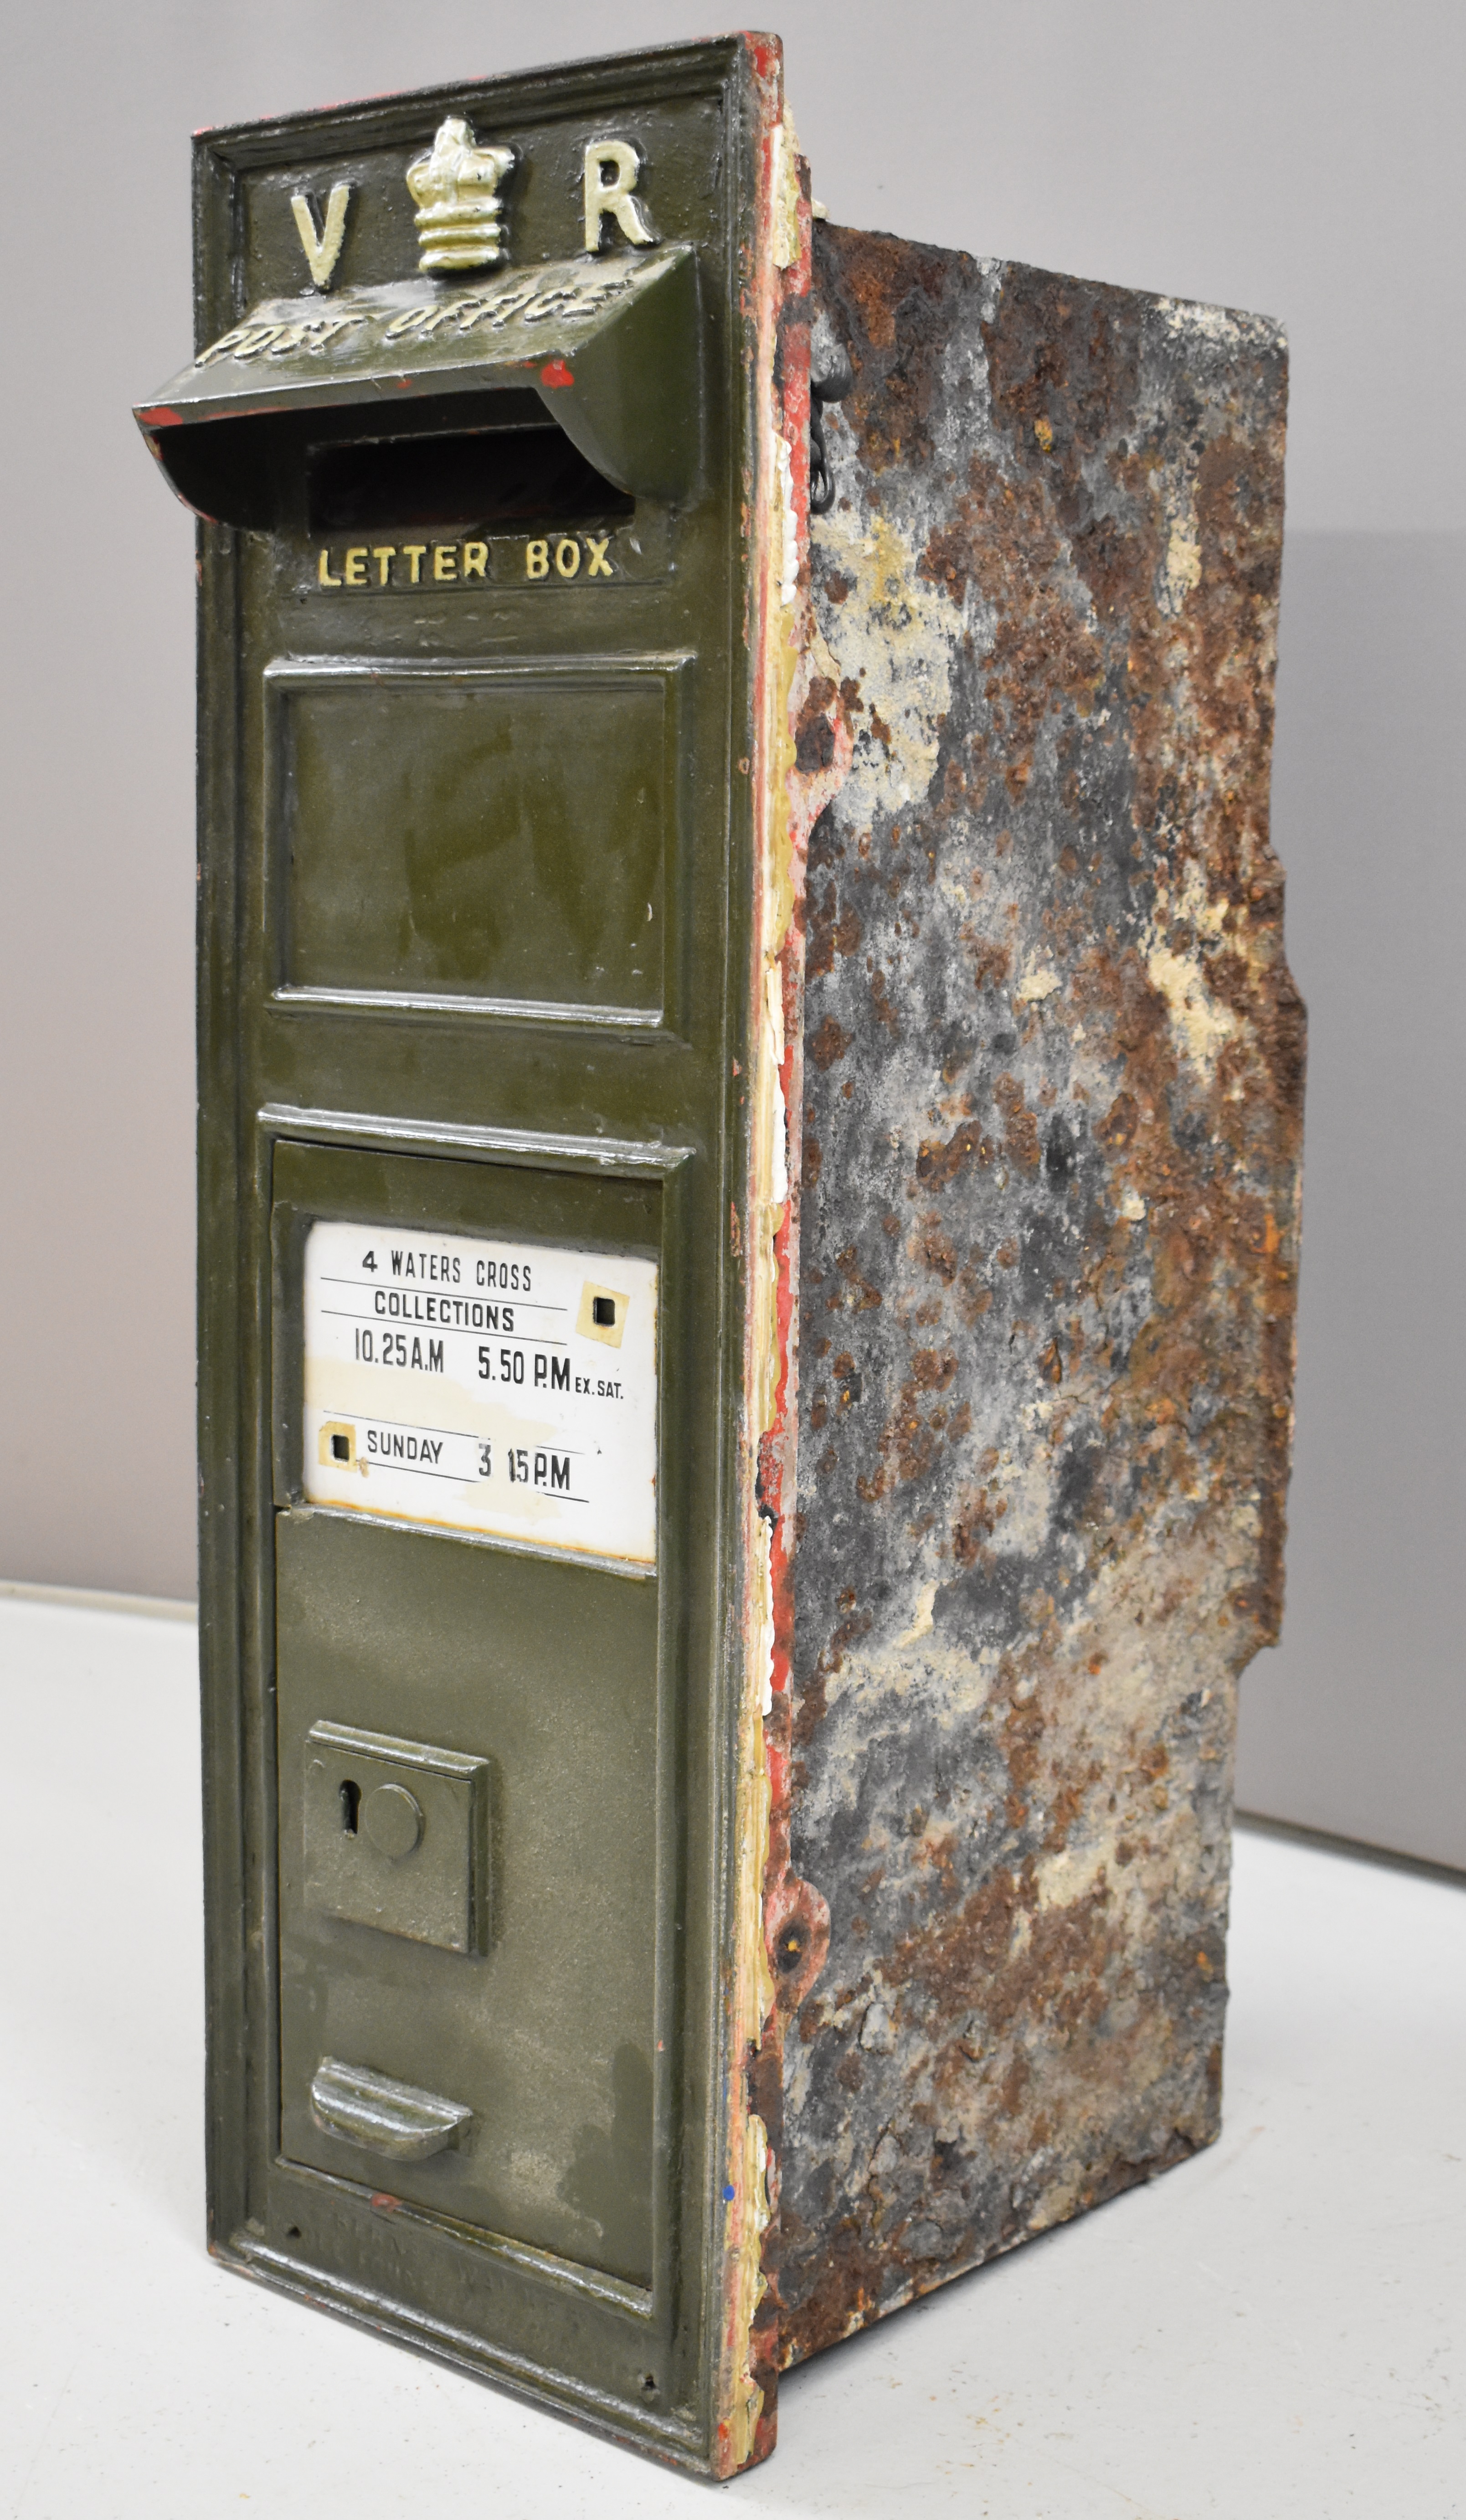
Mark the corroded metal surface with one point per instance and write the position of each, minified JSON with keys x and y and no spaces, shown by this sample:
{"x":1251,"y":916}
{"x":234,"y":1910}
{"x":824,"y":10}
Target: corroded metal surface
{"x":1051,"y":1113}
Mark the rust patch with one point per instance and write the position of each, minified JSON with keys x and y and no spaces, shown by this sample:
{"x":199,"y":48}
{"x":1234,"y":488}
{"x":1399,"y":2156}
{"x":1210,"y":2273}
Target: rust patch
{"x":829,"y":1044}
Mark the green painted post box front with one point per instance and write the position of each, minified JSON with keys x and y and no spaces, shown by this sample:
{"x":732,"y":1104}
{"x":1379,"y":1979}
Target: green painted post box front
{"x":481,"y":426}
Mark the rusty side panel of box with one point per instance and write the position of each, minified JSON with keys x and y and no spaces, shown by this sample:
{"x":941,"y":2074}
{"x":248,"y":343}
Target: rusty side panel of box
{"x":1050,"y":1199}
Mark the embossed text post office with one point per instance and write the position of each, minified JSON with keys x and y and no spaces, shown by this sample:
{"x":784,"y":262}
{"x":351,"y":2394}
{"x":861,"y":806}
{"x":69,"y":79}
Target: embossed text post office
{"x":690,"y":986}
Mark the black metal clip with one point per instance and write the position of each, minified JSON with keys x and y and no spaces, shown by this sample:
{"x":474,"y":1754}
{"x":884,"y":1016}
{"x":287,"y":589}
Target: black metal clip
{"x":831,"y":384}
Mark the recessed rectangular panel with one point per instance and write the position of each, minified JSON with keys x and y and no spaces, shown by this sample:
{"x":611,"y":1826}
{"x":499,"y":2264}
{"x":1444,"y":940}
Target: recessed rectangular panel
{"x":501,"y":834}
{"x":503,"y":1388}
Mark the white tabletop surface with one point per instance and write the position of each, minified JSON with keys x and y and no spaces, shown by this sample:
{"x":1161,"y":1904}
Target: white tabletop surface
{"x":1275,"y":2330}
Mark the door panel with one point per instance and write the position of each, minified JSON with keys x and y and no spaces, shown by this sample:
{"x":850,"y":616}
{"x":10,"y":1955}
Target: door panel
{"x":468,"y":1909}
{"x":547,"y":1674}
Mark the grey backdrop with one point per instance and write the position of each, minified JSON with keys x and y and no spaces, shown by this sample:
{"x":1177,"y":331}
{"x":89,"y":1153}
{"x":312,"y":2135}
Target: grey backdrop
{"x":1302,"y":160}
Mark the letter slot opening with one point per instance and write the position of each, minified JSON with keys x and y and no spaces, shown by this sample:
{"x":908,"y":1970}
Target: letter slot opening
{"x":490,"y":461}
{"x":483,"y":478}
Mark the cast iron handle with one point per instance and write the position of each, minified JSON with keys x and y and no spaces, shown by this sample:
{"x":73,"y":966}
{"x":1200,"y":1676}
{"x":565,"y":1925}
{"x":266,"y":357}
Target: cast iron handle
{"x":384,"y":2116}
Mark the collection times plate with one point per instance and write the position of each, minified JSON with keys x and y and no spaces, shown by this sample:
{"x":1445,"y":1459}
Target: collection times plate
{"x":505,"y":1388}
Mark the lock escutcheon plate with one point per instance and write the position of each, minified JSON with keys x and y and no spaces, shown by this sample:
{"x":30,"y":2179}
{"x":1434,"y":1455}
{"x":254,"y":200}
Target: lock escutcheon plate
{"x":396,"y":1836}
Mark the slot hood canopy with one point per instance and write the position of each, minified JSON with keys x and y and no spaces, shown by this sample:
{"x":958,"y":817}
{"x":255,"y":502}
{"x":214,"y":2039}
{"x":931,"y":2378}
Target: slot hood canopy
{"x":609,"y":345}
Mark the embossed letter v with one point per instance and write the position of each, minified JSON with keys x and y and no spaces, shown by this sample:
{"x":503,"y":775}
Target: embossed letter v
{"x":322,"y":249}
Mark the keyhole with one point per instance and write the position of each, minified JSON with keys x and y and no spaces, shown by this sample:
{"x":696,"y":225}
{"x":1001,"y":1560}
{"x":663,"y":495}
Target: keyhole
{"x":351,"y":1798}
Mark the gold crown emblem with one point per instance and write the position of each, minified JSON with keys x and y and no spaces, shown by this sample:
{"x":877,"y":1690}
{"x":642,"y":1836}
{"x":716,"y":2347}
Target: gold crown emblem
{"x":456,"y":187}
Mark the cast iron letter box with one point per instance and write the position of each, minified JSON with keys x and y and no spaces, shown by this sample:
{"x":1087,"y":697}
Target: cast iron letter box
{"x":621,"y":1983}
